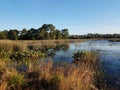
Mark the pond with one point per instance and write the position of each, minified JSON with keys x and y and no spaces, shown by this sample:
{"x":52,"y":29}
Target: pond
{"x":109,"y":57}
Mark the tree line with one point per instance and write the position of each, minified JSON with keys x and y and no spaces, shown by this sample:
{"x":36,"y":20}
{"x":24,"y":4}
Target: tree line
{"x":95,"y":36}
{"x":45,"y":32}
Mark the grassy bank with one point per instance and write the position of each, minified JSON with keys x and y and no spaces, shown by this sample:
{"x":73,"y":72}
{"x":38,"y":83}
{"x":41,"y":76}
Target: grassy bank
{"x":23,"y":45}
{"x":21,"y":68}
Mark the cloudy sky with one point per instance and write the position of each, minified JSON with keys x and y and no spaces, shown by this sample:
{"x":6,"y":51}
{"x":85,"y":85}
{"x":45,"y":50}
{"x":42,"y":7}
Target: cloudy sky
{"x":79,"y":16}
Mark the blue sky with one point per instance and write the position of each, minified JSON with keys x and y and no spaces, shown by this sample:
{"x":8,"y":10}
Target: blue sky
{"x":79,"y":16}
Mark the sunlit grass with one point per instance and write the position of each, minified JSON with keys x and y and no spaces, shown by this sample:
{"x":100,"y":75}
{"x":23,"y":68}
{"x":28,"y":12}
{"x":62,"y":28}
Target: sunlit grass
{"x":44,"y":75}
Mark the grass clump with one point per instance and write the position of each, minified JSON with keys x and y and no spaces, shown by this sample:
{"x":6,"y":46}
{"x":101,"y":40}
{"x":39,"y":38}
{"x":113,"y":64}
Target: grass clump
{"x":54,"y":83}
{"x":86,"y":57}
{"x":15,"y":81}
{"x":5,"y":55}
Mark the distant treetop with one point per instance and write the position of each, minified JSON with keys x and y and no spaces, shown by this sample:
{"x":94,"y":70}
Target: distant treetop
{"x":45,"y":32}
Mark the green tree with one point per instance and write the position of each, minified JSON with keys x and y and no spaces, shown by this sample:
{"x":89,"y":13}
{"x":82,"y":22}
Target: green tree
{"x":23,"y":34}
{"x":44,"y":32}
{"x":13,"y":34}
{"x":6,"y":33}
{"x":3,"y":35}
{"x":65,"y":33}
{"x":24,"y":31}
{"x":41,"y":34}
{"x":31,"y":34}
{"x":58,"y":34}
{"x":52,"y":31}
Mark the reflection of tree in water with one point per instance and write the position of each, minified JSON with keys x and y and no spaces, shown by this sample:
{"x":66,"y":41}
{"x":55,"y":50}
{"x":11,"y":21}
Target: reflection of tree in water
{"x":49,"y":49}
{"x":65,"y":47}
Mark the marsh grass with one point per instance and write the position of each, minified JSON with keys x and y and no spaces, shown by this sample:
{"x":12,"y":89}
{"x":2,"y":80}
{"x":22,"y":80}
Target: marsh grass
{"x":89,"y":58}
{"x":15,"y":46}
{"x":11,"y":46}
{"x":63,"y":77}
{"x":15,"y":80}
{"x":44,"y":75}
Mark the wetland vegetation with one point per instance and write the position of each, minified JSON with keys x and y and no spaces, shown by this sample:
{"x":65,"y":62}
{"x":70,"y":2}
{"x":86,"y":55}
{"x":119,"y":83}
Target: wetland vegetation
{"x":22,"y":67}
{"x":58,"y":65}
{"x":50,"y":59}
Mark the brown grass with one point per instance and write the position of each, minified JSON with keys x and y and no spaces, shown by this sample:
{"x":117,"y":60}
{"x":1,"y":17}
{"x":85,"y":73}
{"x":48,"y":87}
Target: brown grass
{"x":44,"y":75}
{"x":23,"y":45}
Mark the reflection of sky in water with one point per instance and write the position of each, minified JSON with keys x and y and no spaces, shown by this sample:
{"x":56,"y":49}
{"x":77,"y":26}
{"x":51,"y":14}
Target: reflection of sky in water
{"x":109,"y":54}
{"x":96,"y":45}
{"x":105,"y":47}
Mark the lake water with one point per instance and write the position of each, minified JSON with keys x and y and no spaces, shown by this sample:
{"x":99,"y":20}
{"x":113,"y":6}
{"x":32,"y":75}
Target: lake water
{"x":109,"y":57}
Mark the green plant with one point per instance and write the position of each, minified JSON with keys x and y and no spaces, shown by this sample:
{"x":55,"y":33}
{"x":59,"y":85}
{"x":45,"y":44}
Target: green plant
{"x":23,"y":56}
{"x":86,"y":57}
{"x":16,"y":81}
{"x":5,"y":54}
{"x":18,"y":56}
{"x":54,"y":83}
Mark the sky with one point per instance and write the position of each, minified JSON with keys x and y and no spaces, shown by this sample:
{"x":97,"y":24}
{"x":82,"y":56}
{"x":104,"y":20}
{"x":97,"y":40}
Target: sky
{"x":79,"y":16}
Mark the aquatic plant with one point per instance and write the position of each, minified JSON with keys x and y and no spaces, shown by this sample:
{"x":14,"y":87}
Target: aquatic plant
{"x":86,"y":57}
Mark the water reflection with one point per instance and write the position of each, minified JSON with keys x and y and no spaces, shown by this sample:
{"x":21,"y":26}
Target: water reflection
{"x":109,"y":57}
